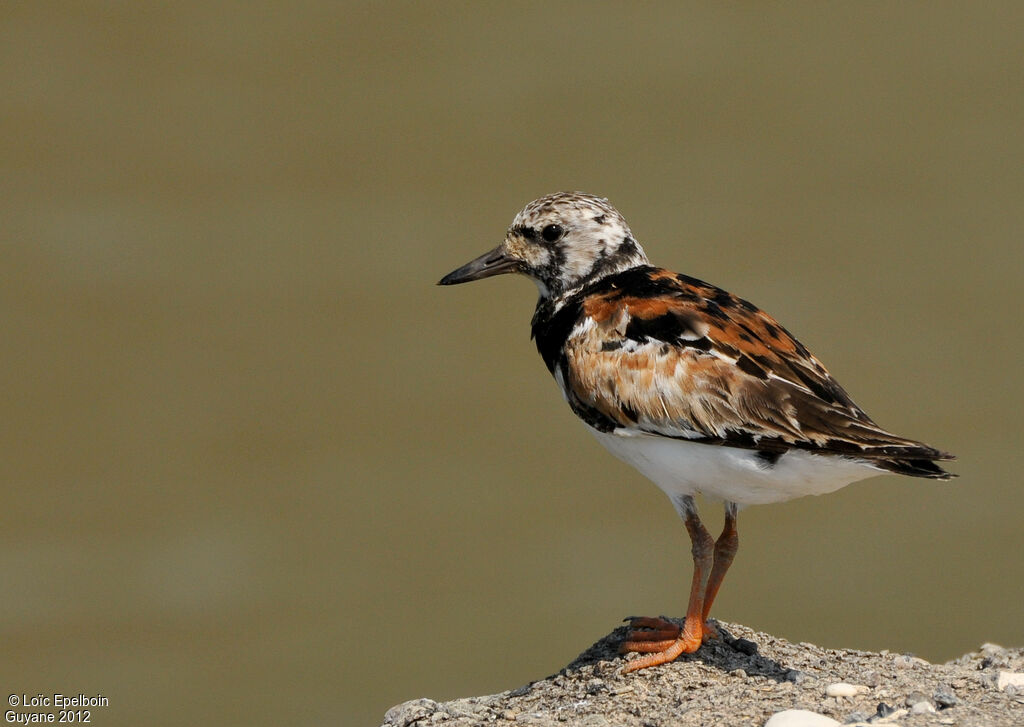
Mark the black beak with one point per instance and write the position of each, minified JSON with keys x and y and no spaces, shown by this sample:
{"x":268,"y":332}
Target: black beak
{"x":494,"y":262}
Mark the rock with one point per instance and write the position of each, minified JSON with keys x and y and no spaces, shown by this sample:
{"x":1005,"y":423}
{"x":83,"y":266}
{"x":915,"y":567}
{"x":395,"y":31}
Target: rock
{"x":722,"y":684}
{"x":1010,"y":679}
{"x":408,"y":713}
{"x":944,"y":698}
{"x":800,"y":718}
{"x":842,"y":689}
{"x":596,"y":686}
{"x":884,"y":710}
{"x":906,"y":661}
{"x":745,"y":646}
{"x":915,"y":697}
{"x":795,"y":675}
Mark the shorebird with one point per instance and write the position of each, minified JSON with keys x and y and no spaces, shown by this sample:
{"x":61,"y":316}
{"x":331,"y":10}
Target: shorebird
{"x":699,"y":390}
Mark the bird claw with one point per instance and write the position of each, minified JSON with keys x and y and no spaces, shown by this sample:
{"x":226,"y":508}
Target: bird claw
{"x":661,"y":650}
{"x":663,"y":640}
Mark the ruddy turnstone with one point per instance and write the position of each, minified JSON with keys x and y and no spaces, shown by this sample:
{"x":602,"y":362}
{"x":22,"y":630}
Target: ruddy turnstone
{"x":699,"y":390}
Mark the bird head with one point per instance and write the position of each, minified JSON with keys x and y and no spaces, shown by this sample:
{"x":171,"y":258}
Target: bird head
{"x":562,"y":242}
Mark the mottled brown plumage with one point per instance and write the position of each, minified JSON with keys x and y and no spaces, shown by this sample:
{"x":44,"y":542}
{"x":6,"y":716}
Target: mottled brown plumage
{"x":687,"y":359}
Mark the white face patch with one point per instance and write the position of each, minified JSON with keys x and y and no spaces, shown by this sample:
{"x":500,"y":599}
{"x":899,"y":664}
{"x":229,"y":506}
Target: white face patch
{"x":533,"y":255}
{"x":593,"y":240}
{"x":583,"y":248}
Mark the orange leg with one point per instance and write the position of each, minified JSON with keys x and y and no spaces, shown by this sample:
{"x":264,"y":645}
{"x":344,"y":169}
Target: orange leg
{"x":725,"y":550}
{"x":660,"y":638}
{"x":689,"y":639}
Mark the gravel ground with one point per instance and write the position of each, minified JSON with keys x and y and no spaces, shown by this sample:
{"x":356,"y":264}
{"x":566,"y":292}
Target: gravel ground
{"x":745,"y":680}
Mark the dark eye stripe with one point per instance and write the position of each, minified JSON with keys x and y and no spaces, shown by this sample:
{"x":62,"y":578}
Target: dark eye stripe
{"x":528,"y":232}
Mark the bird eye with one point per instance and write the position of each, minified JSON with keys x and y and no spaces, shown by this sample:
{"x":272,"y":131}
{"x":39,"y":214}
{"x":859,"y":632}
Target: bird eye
{"x":552,"y":232}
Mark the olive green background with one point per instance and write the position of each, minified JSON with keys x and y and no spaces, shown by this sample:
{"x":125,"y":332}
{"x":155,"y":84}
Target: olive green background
{"x":257,"y":469}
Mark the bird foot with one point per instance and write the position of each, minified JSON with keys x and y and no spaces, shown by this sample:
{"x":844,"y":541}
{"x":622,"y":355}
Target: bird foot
{"x":644,"y":628}
{"x":663,"y":640}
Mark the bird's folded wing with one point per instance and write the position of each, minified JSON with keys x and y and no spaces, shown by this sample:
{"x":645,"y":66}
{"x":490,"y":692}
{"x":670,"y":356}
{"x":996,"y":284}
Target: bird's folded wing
{"x":688,"y":360}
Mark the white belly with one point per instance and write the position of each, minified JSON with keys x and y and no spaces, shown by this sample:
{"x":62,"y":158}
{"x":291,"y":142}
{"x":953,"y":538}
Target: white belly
{"x":737,"y":475}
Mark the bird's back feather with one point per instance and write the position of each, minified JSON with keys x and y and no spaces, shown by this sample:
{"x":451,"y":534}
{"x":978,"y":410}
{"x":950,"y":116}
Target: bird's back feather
{"x":666,"y":354}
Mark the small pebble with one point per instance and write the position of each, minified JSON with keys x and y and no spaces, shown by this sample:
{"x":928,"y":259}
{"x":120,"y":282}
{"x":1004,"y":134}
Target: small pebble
{"x":913,"y":698}
{"x":509,"y":714}
{"x":890,"y":719}
{"x":944,"y":698}
{"x":884,"y":710}
{"x":842,"y":689}
{"x":738,"y":673}
{"x":799,"y":718}
{"x":1010,"y":679}
{"x":461,"y":711}
{"x":922,"y":708}
{"x":796,"y":676}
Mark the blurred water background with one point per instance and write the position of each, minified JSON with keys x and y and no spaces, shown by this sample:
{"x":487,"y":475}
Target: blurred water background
{"x":257,"y":469}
